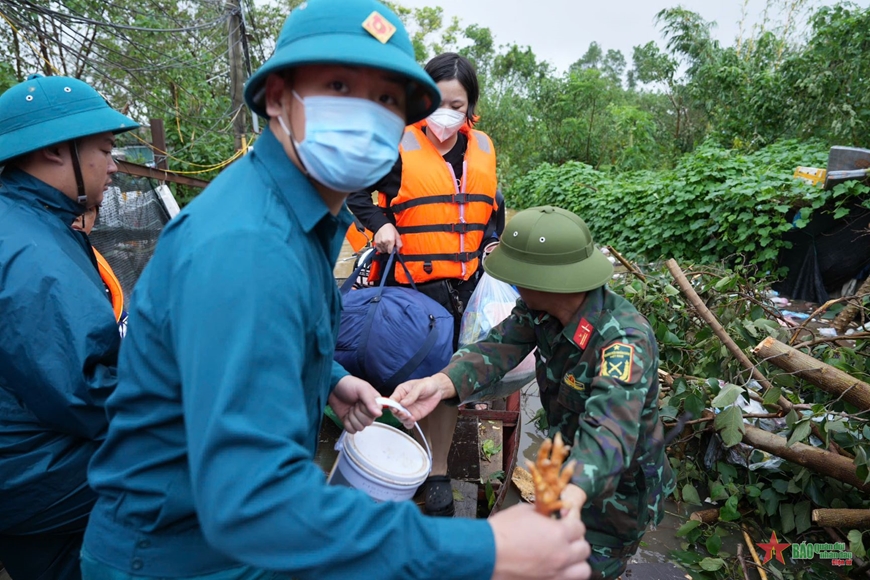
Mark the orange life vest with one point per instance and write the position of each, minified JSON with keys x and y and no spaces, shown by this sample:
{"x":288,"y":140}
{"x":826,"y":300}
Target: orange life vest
{"x":440,"y":216}
{"x":116,"y":293}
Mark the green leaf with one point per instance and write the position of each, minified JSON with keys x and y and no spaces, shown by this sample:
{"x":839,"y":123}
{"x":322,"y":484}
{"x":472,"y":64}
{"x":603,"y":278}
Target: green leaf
{"x":801,"y":432}
{"x":690,"y":494}
{"x":722,"y":283}
{"x":712,"y":564}
{"x":729,"y":512}
{"x":687,"y":527}
{"x":841,"y":212}
{"x":786,"y":515}
{"x":771,"y":396}
{"x":671,"y":291}
{"x":714,"y":544}
{"x":729,"y":423}
{"x":802,"y":516}
{"x":727,"y":396}
{"x":856,"y":543}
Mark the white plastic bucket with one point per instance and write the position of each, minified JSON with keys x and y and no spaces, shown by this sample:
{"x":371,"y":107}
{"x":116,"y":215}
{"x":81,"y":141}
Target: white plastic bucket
{"x":382,"y":461}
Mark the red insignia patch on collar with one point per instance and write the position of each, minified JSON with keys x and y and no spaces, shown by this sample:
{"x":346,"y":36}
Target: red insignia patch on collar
{"x":583,"y":333}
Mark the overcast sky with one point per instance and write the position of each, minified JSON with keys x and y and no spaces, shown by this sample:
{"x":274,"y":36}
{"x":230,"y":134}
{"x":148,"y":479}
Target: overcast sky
{"x":560,"y":31}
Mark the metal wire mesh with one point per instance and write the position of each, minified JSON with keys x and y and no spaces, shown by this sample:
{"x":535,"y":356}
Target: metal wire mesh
{"x":129,"y":223}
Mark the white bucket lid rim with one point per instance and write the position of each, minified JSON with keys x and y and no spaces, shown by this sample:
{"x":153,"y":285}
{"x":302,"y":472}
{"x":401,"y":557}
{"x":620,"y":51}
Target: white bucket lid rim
{"x":389,"y":454}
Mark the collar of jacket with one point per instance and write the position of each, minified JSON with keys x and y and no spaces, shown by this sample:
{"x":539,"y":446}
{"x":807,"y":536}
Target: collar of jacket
{"x":292,"y":186}
{"x":590,"y":311}
{"x":28,"y":190}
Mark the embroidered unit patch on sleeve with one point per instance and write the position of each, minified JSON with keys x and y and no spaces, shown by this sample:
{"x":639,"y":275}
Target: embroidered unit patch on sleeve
{"x":379,"y":27}
{"x":617,"y":360}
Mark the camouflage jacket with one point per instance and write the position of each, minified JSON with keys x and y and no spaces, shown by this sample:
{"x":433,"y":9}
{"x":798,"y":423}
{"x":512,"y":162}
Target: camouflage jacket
{"x":598,"y":379}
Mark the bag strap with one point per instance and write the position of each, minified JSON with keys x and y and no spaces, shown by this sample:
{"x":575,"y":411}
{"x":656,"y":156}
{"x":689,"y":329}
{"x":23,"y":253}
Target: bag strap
{"x":400,"y":375}
{"x":348,"y":284}
{"x":370,"y":315}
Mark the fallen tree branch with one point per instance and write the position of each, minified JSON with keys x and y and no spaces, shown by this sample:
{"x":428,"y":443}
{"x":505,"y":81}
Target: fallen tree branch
{"x":815,"y":313}
{"x":834,"y":339}
{"x":742,"y":561}
{"x":718,"y":330}
{"x":856,"y":303}
{"x":842,"y":518}
{"x":627,"y":264}
{"x":824,"y":376}
{"x":819,"y":460}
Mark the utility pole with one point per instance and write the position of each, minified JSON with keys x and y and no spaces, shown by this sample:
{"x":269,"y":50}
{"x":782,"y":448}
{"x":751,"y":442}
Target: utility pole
{"x":237,"y":71}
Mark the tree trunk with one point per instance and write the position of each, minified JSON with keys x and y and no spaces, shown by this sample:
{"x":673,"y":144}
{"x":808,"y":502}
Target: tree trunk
{"x":848,"y":313}
{"x":822,"y":375}
{"x":818,"y":460}
{"x":709,"y":516}
{"x":847,"y":519}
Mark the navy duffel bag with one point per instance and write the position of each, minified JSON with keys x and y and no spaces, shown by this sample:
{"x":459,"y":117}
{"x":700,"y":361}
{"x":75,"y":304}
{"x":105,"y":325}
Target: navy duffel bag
{"x":390,"y":334}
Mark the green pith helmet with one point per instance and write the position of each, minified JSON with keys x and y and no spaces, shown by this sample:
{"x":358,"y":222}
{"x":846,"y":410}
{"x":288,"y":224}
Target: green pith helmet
{"x":548,"y":249}
{"x":43,"y":111}
{"x":352,"y":33}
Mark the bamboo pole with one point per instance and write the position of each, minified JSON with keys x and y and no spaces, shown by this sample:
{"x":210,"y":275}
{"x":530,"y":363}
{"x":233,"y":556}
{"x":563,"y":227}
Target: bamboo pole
{"x":848,"y":313}
{"x":823,"y":375}
{"x":849,"y":519}
{"x":819,"y":460}
{"x":752,"y":551}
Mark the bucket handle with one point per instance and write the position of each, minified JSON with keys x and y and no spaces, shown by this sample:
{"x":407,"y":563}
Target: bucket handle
{"x":385,"y":402}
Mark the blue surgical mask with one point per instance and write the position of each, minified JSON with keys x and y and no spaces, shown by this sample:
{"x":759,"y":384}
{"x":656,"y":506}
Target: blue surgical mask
{"x":349,"y":143}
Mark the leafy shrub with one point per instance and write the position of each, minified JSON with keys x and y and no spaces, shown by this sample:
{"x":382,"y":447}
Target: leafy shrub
{"x":716,"y":205}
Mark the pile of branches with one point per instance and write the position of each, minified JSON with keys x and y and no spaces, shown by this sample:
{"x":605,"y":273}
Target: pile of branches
{"x":773,"y":417}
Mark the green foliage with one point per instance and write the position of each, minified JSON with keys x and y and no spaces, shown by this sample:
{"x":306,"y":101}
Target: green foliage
{"x":708,"y":459}
{"x":715,"y":205}
{"x":488,"y":448}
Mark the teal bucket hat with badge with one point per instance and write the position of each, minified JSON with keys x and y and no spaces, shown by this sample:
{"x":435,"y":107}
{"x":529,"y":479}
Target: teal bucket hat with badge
{"x":43,"y":111}
{"x":551,"y":250}
{"x":347,"y":32}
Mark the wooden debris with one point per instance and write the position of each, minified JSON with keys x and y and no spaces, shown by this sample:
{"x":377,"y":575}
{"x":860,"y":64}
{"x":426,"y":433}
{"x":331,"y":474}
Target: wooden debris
{"x":844,"y":518}
{"x":708,"y":516}
{"x":848,"y":313}
{"x":819,"y":460}
{"x":822,"y":375}
{"x":525,"y":484}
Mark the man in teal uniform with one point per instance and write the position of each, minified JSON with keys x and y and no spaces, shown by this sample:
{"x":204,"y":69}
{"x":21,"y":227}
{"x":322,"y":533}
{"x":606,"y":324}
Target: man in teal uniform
{"x":58,"y":336}
{"x":597,"y":367}
{"x":207,"y":470}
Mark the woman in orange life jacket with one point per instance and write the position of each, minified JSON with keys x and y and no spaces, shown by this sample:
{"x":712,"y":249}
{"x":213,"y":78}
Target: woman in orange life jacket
{"x":114,"y":291}
{"x":439,"y":206}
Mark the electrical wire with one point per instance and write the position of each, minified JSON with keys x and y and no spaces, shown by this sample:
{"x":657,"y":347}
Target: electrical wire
{"x":85,"y":20}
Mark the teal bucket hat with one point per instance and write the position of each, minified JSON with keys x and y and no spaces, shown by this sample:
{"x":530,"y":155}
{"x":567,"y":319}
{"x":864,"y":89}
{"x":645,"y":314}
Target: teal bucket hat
{"x":43,"y":111}
{"x":347,"y":32}
{"x":548,"y":249}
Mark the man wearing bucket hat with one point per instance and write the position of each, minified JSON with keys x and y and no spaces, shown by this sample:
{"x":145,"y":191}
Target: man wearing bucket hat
{"x":597,"y":366}
{"x":207,"y":469}
{"x":58,"y":340}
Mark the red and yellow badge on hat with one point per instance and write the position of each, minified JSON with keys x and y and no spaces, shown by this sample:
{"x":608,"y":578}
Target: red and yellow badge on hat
{"x":379,"y":27}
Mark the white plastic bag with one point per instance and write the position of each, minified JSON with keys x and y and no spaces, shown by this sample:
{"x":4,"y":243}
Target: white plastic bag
{"x":492,"y":302}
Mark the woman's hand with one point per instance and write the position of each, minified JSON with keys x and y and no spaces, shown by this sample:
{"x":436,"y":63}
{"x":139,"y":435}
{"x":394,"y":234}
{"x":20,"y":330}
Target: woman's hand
{"x":387,"y":238}
{"x":353,"y":400}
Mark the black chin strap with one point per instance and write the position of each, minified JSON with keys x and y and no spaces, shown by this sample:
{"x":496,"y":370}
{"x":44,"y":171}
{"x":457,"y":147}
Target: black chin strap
{"x":77,"y":169}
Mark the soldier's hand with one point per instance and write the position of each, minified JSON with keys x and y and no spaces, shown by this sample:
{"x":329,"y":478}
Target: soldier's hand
{"x":387,"y":238}
{"x":573,"y":496}
{"x":421,"y":396}
{"x":531,"y":546}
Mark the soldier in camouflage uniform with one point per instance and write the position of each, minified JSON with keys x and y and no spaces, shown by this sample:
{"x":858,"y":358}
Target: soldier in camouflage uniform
{"x":597,"y":363}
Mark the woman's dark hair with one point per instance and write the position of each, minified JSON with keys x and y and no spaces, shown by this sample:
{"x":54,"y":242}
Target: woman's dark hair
{"x":449,"y":66}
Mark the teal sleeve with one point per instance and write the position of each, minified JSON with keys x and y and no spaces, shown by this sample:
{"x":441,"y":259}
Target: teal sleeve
{"x":258,"y":494}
